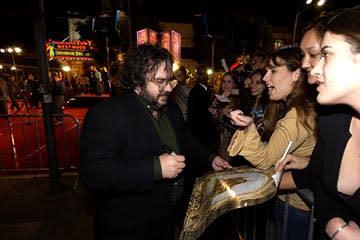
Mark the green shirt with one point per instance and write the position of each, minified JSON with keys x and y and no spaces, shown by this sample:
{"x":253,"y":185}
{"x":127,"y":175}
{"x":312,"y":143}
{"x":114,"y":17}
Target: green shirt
{"x":167,"y":135}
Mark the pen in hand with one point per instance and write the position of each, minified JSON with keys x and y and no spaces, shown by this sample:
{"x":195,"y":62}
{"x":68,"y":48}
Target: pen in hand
{"x":174,"y":165}
{"x":278,"y":174}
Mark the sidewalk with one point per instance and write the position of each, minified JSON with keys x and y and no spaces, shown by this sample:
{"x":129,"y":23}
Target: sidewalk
{"x":29,"y":212}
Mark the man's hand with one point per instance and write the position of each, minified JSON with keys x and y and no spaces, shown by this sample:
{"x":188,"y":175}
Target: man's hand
{"x":171,"y":165}
{"x":219,"y":163}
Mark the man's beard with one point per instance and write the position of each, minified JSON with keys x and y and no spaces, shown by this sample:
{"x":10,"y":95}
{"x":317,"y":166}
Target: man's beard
{"x":152,"y":100}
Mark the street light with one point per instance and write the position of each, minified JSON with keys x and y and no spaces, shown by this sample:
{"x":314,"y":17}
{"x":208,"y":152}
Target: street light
{"x":308,"y":2}
{"x":12,"y":51}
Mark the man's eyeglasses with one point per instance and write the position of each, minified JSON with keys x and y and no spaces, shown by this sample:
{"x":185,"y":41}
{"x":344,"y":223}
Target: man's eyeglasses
{"x":162,"y":83}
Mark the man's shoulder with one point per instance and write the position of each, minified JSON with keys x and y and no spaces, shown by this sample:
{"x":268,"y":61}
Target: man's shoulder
{"x":197,"y":88}
{"x":117,"y":103}
{"x":185,"y":88}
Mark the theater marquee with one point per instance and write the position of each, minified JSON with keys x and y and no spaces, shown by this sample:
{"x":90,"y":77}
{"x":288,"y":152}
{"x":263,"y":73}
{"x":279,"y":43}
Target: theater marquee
{"x":81,"y":50}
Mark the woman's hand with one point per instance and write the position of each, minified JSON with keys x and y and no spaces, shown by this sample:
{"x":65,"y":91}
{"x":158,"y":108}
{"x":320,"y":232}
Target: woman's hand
{"x":219,"y":163}
{"x":292,"y":162}
{"x":227,"y":93}
{"x":350,"y":231}
{"x":239,"y":119}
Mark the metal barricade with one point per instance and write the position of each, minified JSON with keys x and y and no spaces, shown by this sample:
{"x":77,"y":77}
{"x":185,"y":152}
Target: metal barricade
{"x":252,"y":226}
{"x":23,"y":142}
{"x":308,"y":197}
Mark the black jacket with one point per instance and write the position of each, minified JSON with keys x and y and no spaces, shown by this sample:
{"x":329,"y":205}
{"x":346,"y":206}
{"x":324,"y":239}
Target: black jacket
{"x":199,"y":119}
{"x":323,"y":170}
{"x":117,"y":146}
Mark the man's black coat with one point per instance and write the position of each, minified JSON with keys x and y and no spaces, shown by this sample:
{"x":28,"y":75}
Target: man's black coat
{"x":117,"y":147}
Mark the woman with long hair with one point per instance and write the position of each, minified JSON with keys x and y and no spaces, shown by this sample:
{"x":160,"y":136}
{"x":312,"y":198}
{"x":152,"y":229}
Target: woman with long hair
{"x":293,"y":119}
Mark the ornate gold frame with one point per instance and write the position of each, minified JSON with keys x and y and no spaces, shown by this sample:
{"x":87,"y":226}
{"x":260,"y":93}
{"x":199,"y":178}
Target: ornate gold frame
{"x":219,"y":192}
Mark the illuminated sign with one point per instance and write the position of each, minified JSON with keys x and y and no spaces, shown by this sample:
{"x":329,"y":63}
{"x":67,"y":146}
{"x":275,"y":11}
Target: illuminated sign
{"x":170,"y":40}
{"x":81,"y":50}
{"x":176,"y":45}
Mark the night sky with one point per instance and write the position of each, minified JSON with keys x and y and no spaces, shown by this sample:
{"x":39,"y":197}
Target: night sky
{"x":16,"y":22}
{"x":17,"y":25}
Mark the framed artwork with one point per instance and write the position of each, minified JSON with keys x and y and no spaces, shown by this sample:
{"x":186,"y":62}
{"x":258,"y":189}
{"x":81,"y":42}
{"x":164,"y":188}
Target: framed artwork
{"x":216,"y":193}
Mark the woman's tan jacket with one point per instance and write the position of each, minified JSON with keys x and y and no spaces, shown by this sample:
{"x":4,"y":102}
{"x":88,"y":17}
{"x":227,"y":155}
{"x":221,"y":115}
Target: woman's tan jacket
{"x":247,"y":143}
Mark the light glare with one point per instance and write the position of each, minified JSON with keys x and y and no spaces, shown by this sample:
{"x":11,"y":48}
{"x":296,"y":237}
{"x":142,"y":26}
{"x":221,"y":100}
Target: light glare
{"x":66,"y":68}
{"x":175,"y":67}
{"x":17,"y":50}
{"x":321,"y":2}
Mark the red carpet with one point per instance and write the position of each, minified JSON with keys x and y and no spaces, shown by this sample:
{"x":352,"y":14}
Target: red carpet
{"x":23,"y":142}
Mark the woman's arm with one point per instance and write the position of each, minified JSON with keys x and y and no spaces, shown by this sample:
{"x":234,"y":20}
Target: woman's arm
{"x":247,"y":142}
{"x":287,"y":182}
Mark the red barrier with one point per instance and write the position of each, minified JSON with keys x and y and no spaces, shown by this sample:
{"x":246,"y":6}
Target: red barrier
{"x":23,"y":143}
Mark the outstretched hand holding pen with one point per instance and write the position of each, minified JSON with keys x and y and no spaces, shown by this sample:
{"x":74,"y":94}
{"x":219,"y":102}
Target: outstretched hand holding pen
{"x":278,"y":174}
